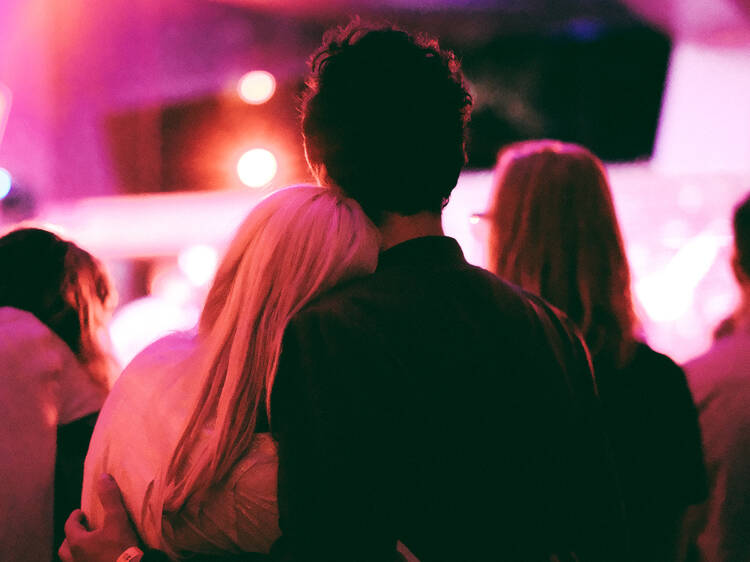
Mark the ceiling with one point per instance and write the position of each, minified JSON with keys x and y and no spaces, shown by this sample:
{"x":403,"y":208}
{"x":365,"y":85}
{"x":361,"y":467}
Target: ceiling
{"x":681,"y":17}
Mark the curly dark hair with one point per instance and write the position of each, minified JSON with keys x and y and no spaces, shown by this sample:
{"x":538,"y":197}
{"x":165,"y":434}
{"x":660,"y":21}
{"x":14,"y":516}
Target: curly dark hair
{"x":385,"y":115}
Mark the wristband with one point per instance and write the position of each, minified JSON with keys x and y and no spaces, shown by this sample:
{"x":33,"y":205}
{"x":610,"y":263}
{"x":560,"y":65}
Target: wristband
{"x":132,"y":554}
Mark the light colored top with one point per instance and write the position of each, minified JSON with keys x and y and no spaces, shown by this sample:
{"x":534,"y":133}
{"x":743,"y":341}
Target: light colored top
{"x":720,"y":383}
{"x":42,"y":385}
{"x":134,"y":437}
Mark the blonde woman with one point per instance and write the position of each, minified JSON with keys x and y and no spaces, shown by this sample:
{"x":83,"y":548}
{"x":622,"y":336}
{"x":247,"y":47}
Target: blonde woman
{"x":554,"y":232}
{"x":185,"y":431}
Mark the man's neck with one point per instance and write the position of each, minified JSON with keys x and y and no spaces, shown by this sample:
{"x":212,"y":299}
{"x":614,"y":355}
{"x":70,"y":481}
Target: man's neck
{"x":395,"y":229}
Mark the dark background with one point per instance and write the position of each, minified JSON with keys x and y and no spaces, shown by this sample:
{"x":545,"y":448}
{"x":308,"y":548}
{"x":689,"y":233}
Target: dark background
{"x":585,"y":72}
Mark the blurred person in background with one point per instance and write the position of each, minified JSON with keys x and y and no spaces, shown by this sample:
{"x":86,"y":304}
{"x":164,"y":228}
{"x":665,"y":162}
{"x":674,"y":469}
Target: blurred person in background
{"x":719,"y":530}
{"x":185,"y":430}
{"x":55,"y":302}
{"x":554,"y":233}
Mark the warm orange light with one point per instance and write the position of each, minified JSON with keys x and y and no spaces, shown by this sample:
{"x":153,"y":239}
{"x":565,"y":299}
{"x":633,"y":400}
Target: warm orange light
{"x":257,"y":167}
{"x":257,"y":87}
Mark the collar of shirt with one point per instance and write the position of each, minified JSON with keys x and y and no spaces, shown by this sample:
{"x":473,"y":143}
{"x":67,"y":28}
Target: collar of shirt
{"x":422,"y":251}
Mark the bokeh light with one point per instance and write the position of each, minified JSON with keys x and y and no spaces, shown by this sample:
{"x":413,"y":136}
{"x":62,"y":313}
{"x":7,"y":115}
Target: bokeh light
{"x":169,"y":283}
{"x":257,"y":87}
{"x":668,"y":293}
{"x":143,"y":321}
{"x":198,"y":263}
{"x":257,"y":167}
{"x":5,"y":183}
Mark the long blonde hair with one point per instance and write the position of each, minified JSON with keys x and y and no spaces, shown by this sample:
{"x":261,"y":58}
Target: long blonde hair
{"x":295,"y":244}
{"x":554,"y":232}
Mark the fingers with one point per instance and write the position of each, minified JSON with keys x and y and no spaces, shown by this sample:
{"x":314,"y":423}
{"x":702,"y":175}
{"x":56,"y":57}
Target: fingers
{"x":111,"y":498}
{"x":64,"y":552}
{"x":75,"y":525}
{"x":109,"y":494}
{"x":116,"y":524}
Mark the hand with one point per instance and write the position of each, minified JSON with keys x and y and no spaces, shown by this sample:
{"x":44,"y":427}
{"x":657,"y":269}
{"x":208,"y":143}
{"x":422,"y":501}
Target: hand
{"x":99,"y":545}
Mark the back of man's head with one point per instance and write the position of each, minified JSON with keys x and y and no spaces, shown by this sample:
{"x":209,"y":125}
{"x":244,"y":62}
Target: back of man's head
{"x":741,"y":227}
{"x":385,"y":114}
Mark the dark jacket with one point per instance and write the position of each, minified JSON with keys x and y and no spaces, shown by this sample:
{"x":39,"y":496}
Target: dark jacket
{"x":435,"y":404}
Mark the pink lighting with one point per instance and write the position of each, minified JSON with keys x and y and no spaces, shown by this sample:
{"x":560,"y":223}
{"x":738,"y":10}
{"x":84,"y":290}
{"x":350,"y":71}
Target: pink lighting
{"x":668,"y":292}
{"x":5,"y":99}
{"x":143,"y":321}
{"x":703,"y":123}
{"x":104,"y":225}
{"x":257,"y":167}
{"x":256,"y":87}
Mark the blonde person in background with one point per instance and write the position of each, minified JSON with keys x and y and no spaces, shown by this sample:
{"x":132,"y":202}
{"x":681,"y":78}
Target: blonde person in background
{"x":185,"y":431}
{"x":554,"y":232}
{"x":55,"y":301}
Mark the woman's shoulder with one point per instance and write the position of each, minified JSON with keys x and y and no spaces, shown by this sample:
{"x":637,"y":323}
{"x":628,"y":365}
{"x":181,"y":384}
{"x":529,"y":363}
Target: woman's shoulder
{"x":152,"y":383}
{"x":34,"y":355}
{"x":643,"y":368}
{"x":159,"y":355}
{"x":26,"y":339}
{"x":166,"y":346}
{"x":645,"y":357}
{"x":21,"y":320}
{"x":656,"y":371}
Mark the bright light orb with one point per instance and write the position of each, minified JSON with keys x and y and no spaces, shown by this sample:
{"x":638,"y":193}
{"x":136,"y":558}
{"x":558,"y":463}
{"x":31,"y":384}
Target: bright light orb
{"x":257,"y":87}
{"x":257,"y":167}
{"x":5,"y":183}
{"x":198,"y":263}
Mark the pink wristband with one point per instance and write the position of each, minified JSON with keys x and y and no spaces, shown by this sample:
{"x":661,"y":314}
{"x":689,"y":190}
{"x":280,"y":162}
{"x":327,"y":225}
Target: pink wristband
{"x":132,"y":554}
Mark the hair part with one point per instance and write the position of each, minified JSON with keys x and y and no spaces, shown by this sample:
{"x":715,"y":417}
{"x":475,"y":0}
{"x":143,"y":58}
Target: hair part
{"x":294,"y":245}
{"x":65,"y":287}
{"x":384,"y":116}
{"x":554,"y":232}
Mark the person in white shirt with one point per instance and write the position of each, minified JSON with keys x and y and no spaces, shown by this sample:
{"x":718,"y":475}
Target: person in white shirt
{"x":720,"y":383}
{"x":55,"y":300}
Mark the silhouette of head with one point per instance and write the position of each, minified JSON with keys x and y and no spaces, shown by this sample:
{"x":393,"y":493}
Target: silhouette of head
{"x":384,"y":118}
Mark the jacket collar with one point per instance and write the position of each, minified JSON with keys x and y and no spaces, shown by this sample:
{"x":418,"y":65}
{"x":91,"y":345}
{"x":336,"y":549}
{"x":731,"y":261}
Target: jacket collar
{"x":422,"y":251}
